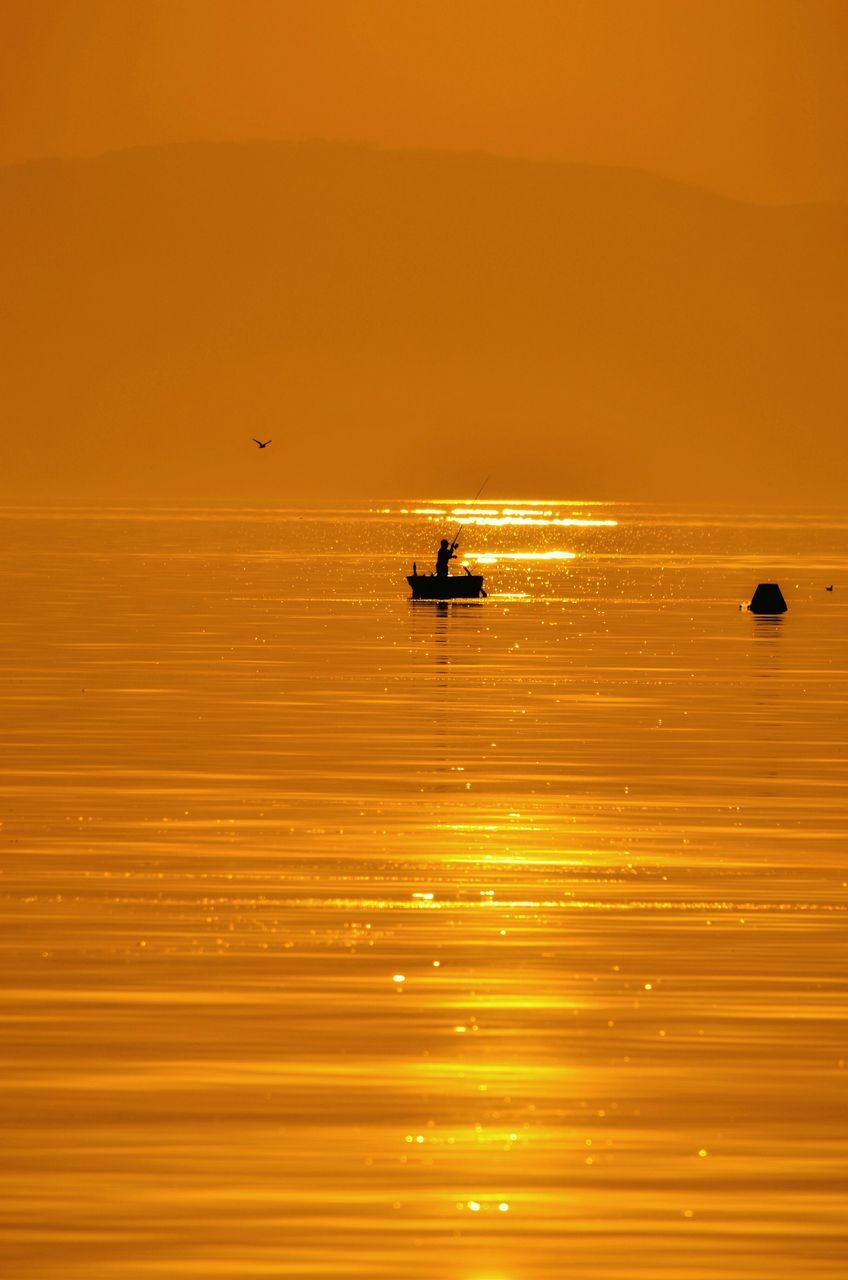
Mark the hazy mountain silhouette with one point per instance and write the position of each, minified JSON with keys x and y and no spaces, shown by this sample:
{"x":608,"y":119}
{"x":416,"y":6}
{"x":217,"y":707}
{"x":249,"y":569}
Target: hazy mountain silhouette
{"x":407,"y":322}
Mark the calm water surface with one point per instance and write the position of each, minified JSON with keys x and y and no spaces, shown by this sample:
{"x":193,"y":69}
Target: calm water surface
{"x":349,"y":937}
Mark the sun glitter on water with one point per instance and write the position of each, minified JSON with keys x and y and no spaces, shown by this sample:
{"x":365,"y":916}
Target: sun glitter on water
{"x":492,"y":557}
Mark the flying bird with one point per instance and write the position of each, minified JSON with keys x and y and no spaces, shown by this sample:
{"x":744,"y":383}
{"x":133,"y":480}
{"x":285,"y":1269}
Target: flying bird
{"x":263,"y":444}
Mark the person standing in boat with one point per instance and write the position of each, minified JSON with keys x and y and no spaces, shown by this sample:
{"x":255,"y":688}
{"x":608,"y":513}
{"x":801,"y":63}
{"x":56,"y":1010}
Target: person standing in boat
{"x":444,"y":555}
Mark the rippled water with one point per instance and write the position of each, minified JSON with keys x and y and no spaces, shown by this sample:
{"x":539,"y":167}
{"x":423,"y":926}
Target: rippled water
{"x":349,"y":937}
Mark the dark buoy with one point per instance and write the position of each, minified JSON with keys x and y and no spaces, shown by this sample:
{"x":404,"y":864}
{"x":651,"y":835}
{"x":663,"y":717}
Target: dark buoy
{"x":768,"y":598}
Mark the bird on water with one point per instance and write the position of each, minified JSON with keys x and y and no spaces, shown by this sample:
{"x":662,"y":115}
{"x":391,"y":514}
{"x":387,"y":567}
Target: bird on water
{"x":263,"y":444}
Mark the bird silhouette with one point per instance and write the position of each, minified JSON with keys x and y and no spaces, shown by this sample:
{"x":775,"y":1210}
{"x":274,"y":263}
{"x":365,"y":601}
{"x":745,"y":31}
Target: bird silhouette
{"x":263,"y":444}
{"x":830,"y":588}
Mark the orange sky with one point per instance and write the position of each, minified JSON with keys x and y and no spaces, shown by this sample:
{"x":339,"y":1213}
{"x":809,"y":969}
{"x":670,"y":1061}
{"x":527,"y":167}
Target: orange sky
{"x":749,"y":97}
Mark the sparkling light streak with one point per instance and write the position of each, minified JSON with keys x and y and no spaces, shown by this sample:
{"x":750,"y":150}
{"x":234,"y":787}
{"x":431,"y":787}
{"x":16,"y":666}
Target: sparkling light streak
{"x":492,"y":557}
{"x":560,"y":522}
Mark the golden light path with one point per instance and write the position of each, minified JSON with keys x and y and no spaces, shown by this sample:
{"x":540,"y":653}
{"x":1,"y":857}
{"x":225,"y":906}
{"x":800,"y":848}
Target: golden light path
{"x":348,"y":938}
{"x":501,"y":519}
{"x":492,"y":557}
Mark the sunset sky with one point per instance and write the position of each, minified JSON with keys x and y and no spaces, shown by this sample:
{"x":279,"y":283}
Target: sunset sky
{"x":747,"y":97}
{"x":597,"y":246}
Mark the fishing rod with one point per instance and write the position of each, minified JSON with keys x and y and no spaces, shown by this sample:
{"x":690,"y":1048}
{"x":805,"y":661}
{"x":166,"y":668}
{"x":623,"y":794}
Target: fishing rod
{"x":471,"y":503}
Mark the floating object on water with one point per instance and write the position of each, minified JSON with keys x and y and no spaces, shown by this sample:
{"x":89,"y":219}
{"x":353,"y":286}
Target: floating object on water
{"x":446,"y":586}
{"x":830,"y":588}
{"x":768,"y":598}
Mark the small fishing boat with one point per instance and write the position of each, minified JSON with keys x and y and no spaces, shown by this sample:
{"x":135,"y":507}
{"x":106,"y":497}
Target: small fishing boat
{"x":452,"y":586}
{"x":442,"y":585}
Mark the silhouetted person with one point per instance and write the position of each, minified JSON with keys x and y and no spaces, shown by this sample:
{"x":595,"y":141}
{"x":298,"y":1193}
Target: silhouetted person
{"x":443,"y":556}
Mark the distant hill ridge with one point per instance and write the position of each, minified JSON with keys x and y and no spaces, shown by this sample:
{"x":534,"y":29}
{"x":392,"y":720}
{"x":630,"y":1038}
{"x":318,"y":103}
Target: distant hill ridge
{"x":396,"y":320}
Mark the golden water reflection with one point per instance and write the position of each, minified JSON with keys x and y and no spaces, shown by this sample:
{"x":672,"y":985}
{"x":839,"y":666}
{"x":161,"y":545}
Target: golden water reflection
{"x":344,"y":938}
{"x":493,"y":557}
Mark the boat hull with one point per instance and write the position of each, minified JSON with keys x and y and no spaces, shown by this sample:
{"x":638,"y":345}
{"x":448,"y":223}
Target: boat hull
{"x":456,"y":586}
